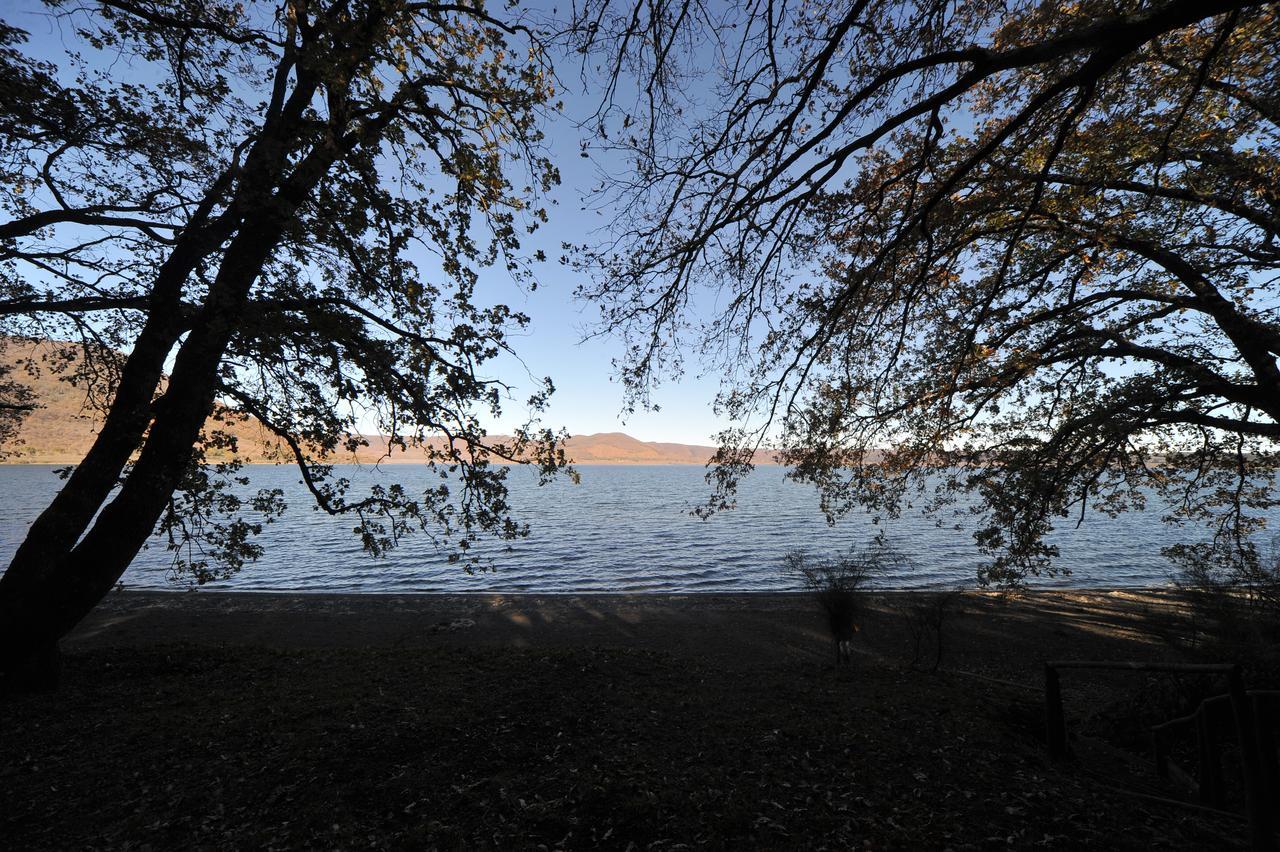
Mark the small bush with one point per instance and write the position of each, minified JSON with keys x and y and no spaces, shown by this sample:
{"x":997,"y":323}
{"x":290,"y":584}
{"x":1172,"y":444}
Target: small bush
{"x":926,"y":614}
{"x":839,"y":584}
{"x":1233,"y":604}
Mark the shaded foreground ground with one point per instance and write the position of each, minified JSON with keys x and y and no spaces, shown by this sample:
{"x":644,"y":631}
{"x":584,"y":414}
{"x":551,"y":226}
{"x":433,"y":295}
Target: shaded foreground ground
{"x":647,"y":722}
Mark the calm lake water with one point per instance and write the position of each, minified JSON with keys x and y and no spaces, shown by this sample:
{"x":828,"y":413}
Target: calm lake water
{"x":623,"y":528}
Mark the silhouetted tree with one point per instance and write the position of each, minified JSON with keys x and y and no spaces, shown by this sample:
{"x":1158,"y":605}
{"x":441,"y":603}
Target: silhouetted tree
{"x":286,"y":206}
{"x":1025,"y":251}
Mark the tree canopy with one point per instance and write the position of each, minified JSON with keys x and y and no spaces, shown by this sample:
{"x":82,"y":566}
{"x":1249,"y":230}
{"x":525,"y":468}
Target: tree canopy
{"x":278,"y":211}
{"x":1025,"y":252}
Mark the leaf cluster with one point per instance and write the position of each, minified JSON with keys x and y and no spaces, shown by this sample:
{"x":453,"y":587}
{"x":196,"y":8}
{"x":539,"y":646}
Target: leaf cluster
{"x":291,"y":206}
{"x":1025,"y":253}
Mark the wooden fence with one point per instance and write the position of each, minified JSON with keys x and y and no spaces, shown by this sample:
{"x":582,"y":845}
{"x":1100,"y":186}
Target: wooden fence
{"x":1254,"y":729}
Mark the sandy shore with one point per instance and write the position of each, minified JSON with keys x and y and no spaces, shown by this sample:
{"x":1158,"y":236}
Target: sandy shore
{"x":1009,"y":636}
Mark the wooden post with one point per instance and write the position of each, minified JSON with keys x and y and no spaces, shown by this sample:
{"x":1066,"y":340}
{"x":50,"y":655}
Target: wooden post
{"x":1257,"y":742}
{"x":1264,"y":709}
{"x":1160,"y":752}
{"x":1261,"y":816}
{"x":1055,"y":726}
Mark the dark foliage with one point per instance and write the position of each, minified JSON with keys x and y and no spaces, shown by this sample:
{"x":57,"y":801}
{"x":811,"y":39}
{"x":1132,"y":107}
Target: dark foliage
{"x":287,"y":207}
{"x":1023,"y":255}
{"x":840,"y":584}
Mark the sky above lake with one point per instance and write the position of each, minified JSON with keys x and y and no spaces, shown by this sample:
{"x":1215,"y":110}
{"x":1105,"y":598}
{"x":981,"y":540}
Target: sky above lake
{"x":557,"y":344}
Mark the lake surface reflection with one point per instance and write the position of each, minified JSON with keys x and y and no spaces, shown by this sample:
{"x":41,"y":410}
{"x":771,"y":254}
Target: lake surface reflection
{"x":624,"y":528}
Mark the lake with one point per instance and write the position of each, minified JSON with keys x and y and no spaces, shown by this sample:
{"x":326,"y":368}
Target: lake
{"x":623,"y":529}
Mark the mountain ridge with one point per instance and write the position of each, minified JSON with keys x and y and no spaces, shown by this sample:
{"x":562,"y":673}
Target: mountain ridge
{"x":59,"y":431}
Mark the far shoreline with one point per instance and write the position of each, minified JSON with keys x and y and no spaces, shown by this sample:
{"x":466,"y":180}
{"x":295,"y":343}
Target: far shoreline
{"x":409,"y":462}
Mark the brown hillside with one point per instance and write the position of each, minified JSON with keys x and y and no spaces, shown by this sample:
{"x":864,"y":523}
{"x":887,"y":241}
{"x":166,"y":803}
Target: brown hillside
{"x":64,"y":423}
{"x":62,"y":428}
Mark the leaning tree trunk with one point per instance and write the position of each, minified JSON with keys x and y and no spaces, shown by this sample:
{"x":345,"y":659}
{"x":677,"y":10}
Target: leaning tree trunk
{"x":54,"y":582}
{"x":60,"y":572}
{"x":35,"y":565}
{"x":58,"y":576}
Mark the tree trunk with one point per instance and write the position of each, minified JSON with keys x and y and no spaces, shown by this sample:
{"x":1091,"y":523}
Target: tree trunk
{"x":58,"y":576}
{"x":50,"y":592}
{"x":60,"y":572}
{"x":63,"y":522}
{"x":39,"y":670}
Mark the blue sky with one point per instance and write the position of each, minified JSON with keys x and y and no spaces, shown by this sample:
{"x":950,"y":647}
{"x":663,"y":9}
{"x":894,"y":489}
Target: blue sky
{"x":588,"y":398}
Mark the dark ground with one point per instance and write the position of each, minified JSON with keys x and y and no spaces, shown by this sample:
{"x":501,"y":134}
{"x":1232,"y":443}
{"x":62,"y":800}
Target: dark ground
{"x":654,"y":722}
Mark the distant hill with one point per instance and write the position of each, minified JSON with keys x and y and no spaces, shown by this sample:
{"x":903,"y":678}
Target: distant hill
{"x":620,"y":448}
{"x":63,"y":425}
{"x":600,"y":448}
{"x":61,"y":430}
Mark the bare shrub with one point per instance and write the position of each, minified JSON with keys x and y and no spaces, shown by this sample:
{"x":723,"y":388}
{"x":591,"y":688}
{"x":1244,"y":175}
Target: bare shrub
{"x":839,"y":585}
{"x":1233,"y":605}
{"x":925,"y":615}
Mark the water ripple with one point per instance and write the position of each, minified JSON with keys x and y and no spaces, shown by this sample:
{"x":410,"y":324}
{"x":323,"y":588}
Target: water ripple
{"x":621,"y":529}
